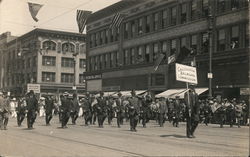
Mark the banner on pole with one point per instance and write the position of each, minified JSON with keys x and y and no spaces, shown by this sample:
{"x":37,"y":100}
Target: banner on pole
{"x":34,"y":87}
{"x":186,"y":73}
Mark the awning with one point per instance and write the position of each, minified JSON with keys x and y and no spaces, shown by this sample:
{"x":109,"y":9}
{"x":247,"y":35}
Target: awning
{"x":137,"y":92}
{"x":106,"y":94}
{"x":172,"y":93}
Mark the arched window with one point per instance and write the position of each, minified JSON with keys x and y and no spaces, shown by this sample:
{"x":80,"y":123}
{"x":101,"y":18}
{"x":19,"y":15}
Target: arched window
{"x":49,"y":45}
{"x":68,"y":47}
{"x":82,"y":49}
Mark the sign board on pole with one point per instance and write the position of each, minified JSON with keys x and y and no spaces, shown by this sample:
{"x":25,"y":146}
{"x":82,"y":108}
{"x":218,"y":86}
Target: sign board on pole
{"x":34,"y":87}
{"x":186,"y":73}
{"x":74,"y":87}
{"x":209,"y":75}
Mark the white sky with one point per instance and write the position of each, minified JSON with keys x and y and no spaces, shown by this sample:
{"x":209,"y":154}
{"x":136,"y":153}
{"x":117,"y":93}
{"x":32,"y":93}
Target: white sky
{"x":15,"y":16}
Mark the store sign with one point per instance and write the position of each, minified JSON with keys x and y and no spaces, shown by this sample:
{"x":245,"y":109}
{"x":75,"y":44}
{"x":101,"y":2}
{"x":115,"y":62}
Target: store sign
{"x":111,"y":88}
{"x":93,"y":77}
{"x":245,"y":91}
{"x":186,"y":73}
{"x":34,"y":87}
{"x":94,"y":85}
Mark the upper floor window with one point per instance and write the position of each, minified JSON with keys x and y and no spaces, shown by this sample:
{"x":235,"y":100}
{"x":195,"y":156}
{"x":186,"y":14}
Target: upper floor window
{"x":140,"y":30}
{"x":49,"y":60}
{"x":247,"y":35}
{"x":235,"y":37}
{"x":67,"y":62}
{"x":117,"y":59}
{"x":68,"y":47}
{"x":126,"y":31}
{"x":82,"y":63}
{"x":132,"y":28}
{"x":173,"y":16}
{"x":81,"y":79}
{"x":173,"y":46}
{"x":132,"y":56}
{"x":49,"y":45}
{"x":140,"y":55}
{"x":112,"y":34}
{"x":204,"y":43}
{"x":106,"y":60}
{"x":67,"y":78}
{"x":112,"y":60}
{"x":164,"y":18}
{"x":221,"y":6}
{"x":221,"y":46}
{"x":155,"y":50}
{"x":235,"y":4}
{"x":205,"y":8}
{"x":147,"y":53}
{"x":126,"y":59}
{"x":96,"y":62}
{"x":48,"y":76}
{"x":194,"y":10}
{"x":184,"y":13}
{"x":194,"y":42}
{"x":106,"y":36}
{"x":164,"y":46}
{"x":148,"y":23}
{"x":102,"y":38}
{"x":156,"y":21}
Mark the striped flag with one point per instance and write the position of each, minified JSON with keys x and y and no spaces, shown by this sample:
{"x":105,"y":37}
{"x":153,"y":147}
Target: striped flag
{"x":34,"y":9}
{"x":158,"y":61}
{"x":117,"y":20}
{"x":81,"y":18}
{"x":171,"y":59}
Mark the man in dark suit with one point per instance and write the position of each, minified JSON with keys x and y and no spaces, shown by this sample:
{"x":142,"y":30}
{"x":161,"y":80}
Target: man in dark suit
{"x":101,"y":109}
{"x":49,"y":106}
{"x":120,"y":110}
{"x":133,"y":110}
{"x":21,"y":106}
{"x":65,"y":109}
{"x":176,"y":111}
{"x":87,"y":110}
{"x":74,"y":109}
{"x":32,"y":109}
{"x":192,"y":111}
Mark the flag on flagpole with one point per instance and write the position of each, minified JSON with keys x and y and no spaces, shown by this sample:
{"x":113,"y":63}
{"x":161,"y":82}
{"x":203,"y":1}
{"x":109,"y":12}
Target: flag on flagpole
{"x":171,"y":59}
{"x":117,"y":20}
{"x":34,"y":9}
{"x":158,"y":61}
{"x":81,"y":18}
{"x":183,"y":54}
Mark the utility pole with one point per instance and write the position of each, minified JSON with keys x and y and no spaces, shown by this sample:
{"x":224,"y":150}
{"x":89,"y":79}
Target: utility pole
{"x":210,"y":35}
{"x":74,"y":81}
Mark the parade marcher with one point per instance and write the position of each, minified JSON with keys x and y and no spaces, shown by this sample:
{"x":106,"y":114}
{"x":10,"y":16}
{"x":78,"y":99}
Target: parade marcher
{"x":74,"y":109}
{"x":163,"y":110}
{"x":230,"y":111}
{"x":238,"y":113}
{"x":87,"y":113}
{"x":176,"y":111}
{"x":93,"y":109}
{"x":170,"y":109}
{"x":32,"y":109}
{"x":42,"y":107}
{"x":110,"y":111}
{"x":101,"y":109}
{"x":120,"y":110}
{"x":65,"y":109}
{"x":207,"y":112}
{"x":192,"y":111}
{"x":245,"y":112}
{"x":49,"y":106}
{"x":13,"y":106}
{"x":221,"y":110}
{"x":133,"y":110}
{"x":21,"y":106}
{"x":4,"y":111}
{"x":145,"y":109}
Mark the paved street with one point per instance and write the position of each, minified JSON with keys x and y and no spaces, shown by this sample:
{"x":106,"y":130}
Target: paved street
{"x":78,"y":140}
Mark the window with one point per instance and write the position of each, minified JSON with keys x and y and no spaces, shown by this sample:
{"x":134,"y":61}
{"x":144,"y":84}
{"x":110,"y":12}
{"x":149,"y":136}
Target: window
{"x":117,"y":59}
{"x":221,"y":6}
{"x":126,"y":31}
{"x":194,"y":42}
{"x":204,"y":43}
{"x":49,"y":45}
{"x":221,"y":40}
{"x":112,"y":60}
{"x":164,"y":18}
{"x":235,"y":37}
{"x":173,"y":47}
{"x":102,"y":37}
{"x":147,"y":23}
{"x":156,"y":19}
{"x":132,"y":28}
{"x":92,"y":40}
{"x":106,"y":36}
{"x":193,"y":9}
{"x":147,"y":53}
{"x":67,"y":78}
{"x":68,"y":47}
{"x":48,"y":76}
{"x":81,"y":79}
{"x":132,"y":56}
{"x":95,"y":64}
{"x":98,"y":38}
{"x":125,"y":57}
{"x":173,"y":16}
{"x":82,"y":49}
{"x":164,"y":46}
{"x":140,"y":30}
{"x":183,"y":13}
{"x":235,"y":4}
{"x":183,"y":42}
{"x":247,"y":36}
{"x":82,"y":63}
{"x":28,"y":63}
{"x":205,"y":8}
{"x":112,"y":34}
{"x":95,"y":40}
{"x":117,"y":34}
{"x":155,"y":50}
{"x":106,"y":60}
{"x":67,"y":62}
{"x":140,"y":55}
{"x":49,"y":61}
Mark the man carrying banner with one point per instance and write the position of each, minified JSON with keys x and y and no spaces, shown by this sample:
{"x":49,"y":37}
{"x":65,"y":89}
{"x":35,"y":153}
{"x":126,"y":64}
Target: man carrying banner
{"x":192,"y":111}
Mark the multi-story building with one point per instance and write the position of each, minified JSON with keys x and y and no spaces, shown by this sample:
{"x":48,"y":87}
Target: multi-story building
{"x":53,"y":59}
{"x":123,"y":58}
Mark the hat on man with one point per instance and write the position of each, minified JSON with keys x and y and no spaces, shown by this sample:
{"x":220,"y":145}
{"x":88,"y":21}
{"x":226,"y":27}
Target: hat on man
{"x":119,"y":94}
{"x":133,"y":92}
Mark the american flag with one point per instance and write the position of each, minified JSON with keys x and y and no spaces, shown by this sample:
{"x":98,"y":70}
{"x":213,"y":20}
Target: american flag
{"x":158,"y":61}
{"x":117,"y":20}
{"x":81,"y":18}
